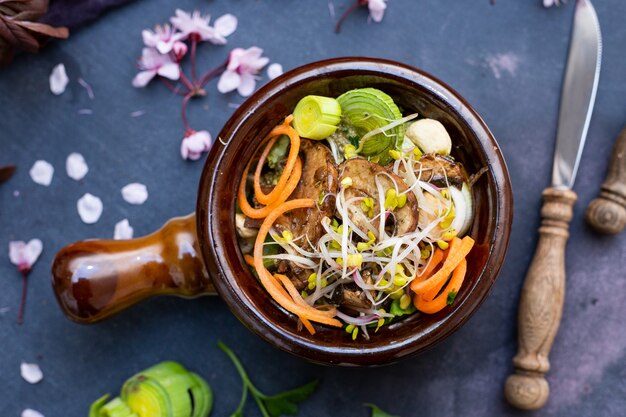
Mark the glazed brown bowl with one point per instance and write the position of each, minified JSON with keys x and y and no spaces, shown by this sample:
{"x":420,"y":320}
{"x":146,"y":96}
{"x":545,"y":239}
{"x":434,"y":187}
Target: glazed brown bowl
{"x":413,"y":91}
{"x":94,"y":279}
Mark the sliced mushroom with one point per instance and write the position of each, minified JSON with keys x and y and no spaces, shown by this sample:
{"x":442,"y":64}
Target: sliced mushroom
{"x":363,"y":175}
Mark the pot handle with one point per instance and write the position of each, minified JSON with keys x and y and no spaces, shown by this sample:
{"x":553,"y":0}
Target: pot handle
{"x":94,"y":279}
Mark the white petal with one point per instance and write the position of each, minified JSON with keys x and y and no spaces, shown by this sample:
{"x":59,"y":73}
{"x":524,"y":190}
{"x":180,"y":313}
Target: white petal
{"x":274,"y":70}
{"x":89,"y":208}
{"x":135,"y":193}
{"x":29,"y":412}
{"x":32,"y":250}
{"x":123,"y":230}
{"x":42,"y":172}
{"x":171,"y":71}
{"x":225,"y":25}
{"x":377,"y":9}
{"x":31,"y":372}
{"x":247,"y":85}
{"x":16,"y":252}
{"x":76,"y":166}
{"x":58,"y":80}
{"x":228,"y":82}
{"x":143,"y":78}
{"x":149,"y":38}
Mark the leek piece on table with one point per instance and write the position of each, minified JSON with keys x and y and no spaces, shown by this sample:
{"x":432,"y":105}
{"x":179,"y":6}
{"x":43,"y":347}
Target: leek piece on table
{"x":316,"y":117}
{"x":164,"y":390}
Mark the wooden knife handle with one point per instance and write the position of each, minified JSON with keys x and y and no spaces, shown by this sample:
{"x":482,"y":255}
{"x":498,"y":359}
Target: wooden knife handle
{"x":541,"y":303}
{"x":607,"y":213}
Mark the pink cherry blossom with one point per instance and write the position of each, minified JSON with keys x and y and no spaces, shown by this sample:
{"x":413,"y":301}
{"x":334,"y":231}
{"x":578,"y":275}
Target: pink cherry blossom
{"x":377,"y":9}
{"x":153,"y":63}
{"x":24,"y":255}
{"x":241,"y":71}
{"x":179,"y":50}
{"x":194,"y":144}
{"x":163,"y":38}
{"x":196,"y":24}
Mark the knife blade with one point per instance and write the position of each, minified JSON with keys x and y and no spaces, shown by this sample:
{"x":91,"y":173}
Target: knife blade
{"x":543,"y":293}
{"x":578,"y":93}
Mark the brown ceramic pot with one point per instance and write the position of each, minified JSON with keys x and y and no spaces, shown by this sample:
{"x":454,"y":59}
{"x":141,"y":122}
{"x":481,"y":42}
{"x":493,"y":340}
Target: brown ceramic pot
{"x":94,"y":279}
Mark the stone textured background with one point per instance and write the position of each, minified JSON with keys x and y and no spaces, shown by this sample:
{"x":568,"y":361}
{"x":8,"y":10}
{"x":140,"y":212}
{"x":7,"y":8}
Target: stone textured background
{"x":507,"y":60}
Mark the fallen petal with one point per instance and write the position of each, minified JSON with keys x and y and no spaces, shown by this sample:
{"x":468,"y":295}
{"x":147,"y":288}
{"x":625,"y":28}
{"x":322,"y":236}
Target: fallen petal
{"x":274,"y":70}
{"x":58,"y":80}
{"x":135,"y":193}
{"x":42,"y":172}
{"x":225,"y":25}
{"x":123,"y":230}
{"x":76,"y":166}
{"x":31,"y":372}
{"x":31,"y":413}
{"x":89,"y":208}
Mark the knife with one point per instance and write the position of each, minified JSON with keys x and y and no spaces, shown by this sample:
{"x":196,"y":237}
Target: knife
{"x":541,"y":302}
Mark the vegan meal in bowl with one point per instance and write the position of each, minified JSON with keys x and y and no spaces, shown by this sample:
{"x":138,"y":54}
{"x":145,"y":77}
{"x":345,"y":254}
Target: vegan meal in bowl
{"x":355,"y":214}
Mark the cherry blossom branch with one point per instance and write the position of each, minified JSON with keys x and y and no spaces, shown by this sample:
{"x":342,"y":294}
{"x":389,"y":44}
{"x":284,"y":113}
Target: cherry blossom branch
{"x":194,"y":43}
{"x":172,"y":88}
{"x":20,"y":314}
{"x":348,"y":12}
{"x":183,"y":112}
{"x":185,"y":80}
{"x":209,"y":75}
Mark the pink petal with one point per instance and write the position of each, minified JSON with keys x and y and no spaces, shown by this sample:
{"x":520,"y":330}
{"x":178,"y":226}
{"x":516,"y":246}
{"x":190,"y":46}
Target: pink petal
{"x":274,"y":70}
{"x":143,"y":78}
{"x":42,"y":172}
{"x":58,"y":80}
{"x":31,"y":372}
{"x":89,"y":208}
{"x":135,"y":193}
{"x":171,"y":71}
{"x":225,"y":25}
{"x":149,"y":38}
{"x":76,"y":166}
{"x":228,"y":82}
{"x":31,"y":413}
{"x":246,"y":88}
{"x":123,"y":230}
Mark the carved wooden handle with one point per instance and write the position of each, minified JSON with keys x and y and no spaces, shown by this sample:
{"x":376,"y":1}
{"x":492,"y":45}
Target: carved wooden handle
{"x":94,"y":279}
{"x":541,"y":303}
{"x":607,"y":213}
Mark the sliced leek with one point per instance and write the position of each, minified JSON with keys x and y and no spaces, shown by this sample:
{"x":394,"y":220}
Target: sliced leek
{"x":369,"y":109}
{"x":164,"y":390}
{"x":316,"y":117}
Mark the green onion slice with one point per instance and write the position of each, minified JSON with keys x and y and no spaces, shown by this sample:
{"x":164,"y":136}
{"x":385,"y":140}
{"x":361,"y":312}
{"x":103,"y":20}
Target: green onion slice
{"x":164,"y":390}
{"x":316,"y":117}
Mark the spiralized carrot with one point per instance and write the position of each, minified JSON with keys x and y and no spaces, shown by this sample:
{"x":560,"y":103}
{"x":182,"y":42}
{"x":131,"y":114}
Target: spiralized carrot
{"x":260,"y":213}
{"x":249,"y":260}
{"x":458,"y":250}
{"x":293,"y":292}
{"x":272,"y":197}
{"x":436,"y":259}
{"x":271,"y":284}
{"x":441,"y":301}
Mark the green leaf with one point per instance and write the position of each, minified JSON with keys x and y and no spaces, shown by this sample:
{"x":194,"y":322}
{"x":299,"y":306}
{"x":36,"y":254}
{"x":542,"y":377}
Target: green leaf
{"x":377,"y":412}
{"x":451,"y":297}
{"x":286,"y":403}
{"x":354,"y":141}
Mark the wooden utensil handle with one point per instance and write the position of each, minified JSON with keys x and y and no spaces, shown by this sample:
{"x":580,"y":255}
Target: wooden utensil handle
{"x":607,"y":213}
{"x":541,"y":303}
{"x":94,"y":279}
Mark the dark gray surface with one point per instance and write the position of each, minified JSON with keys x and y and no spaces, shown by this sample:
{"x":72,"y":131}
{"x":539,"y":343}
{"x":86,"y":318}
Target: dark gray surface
{"x":454,"y":40}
